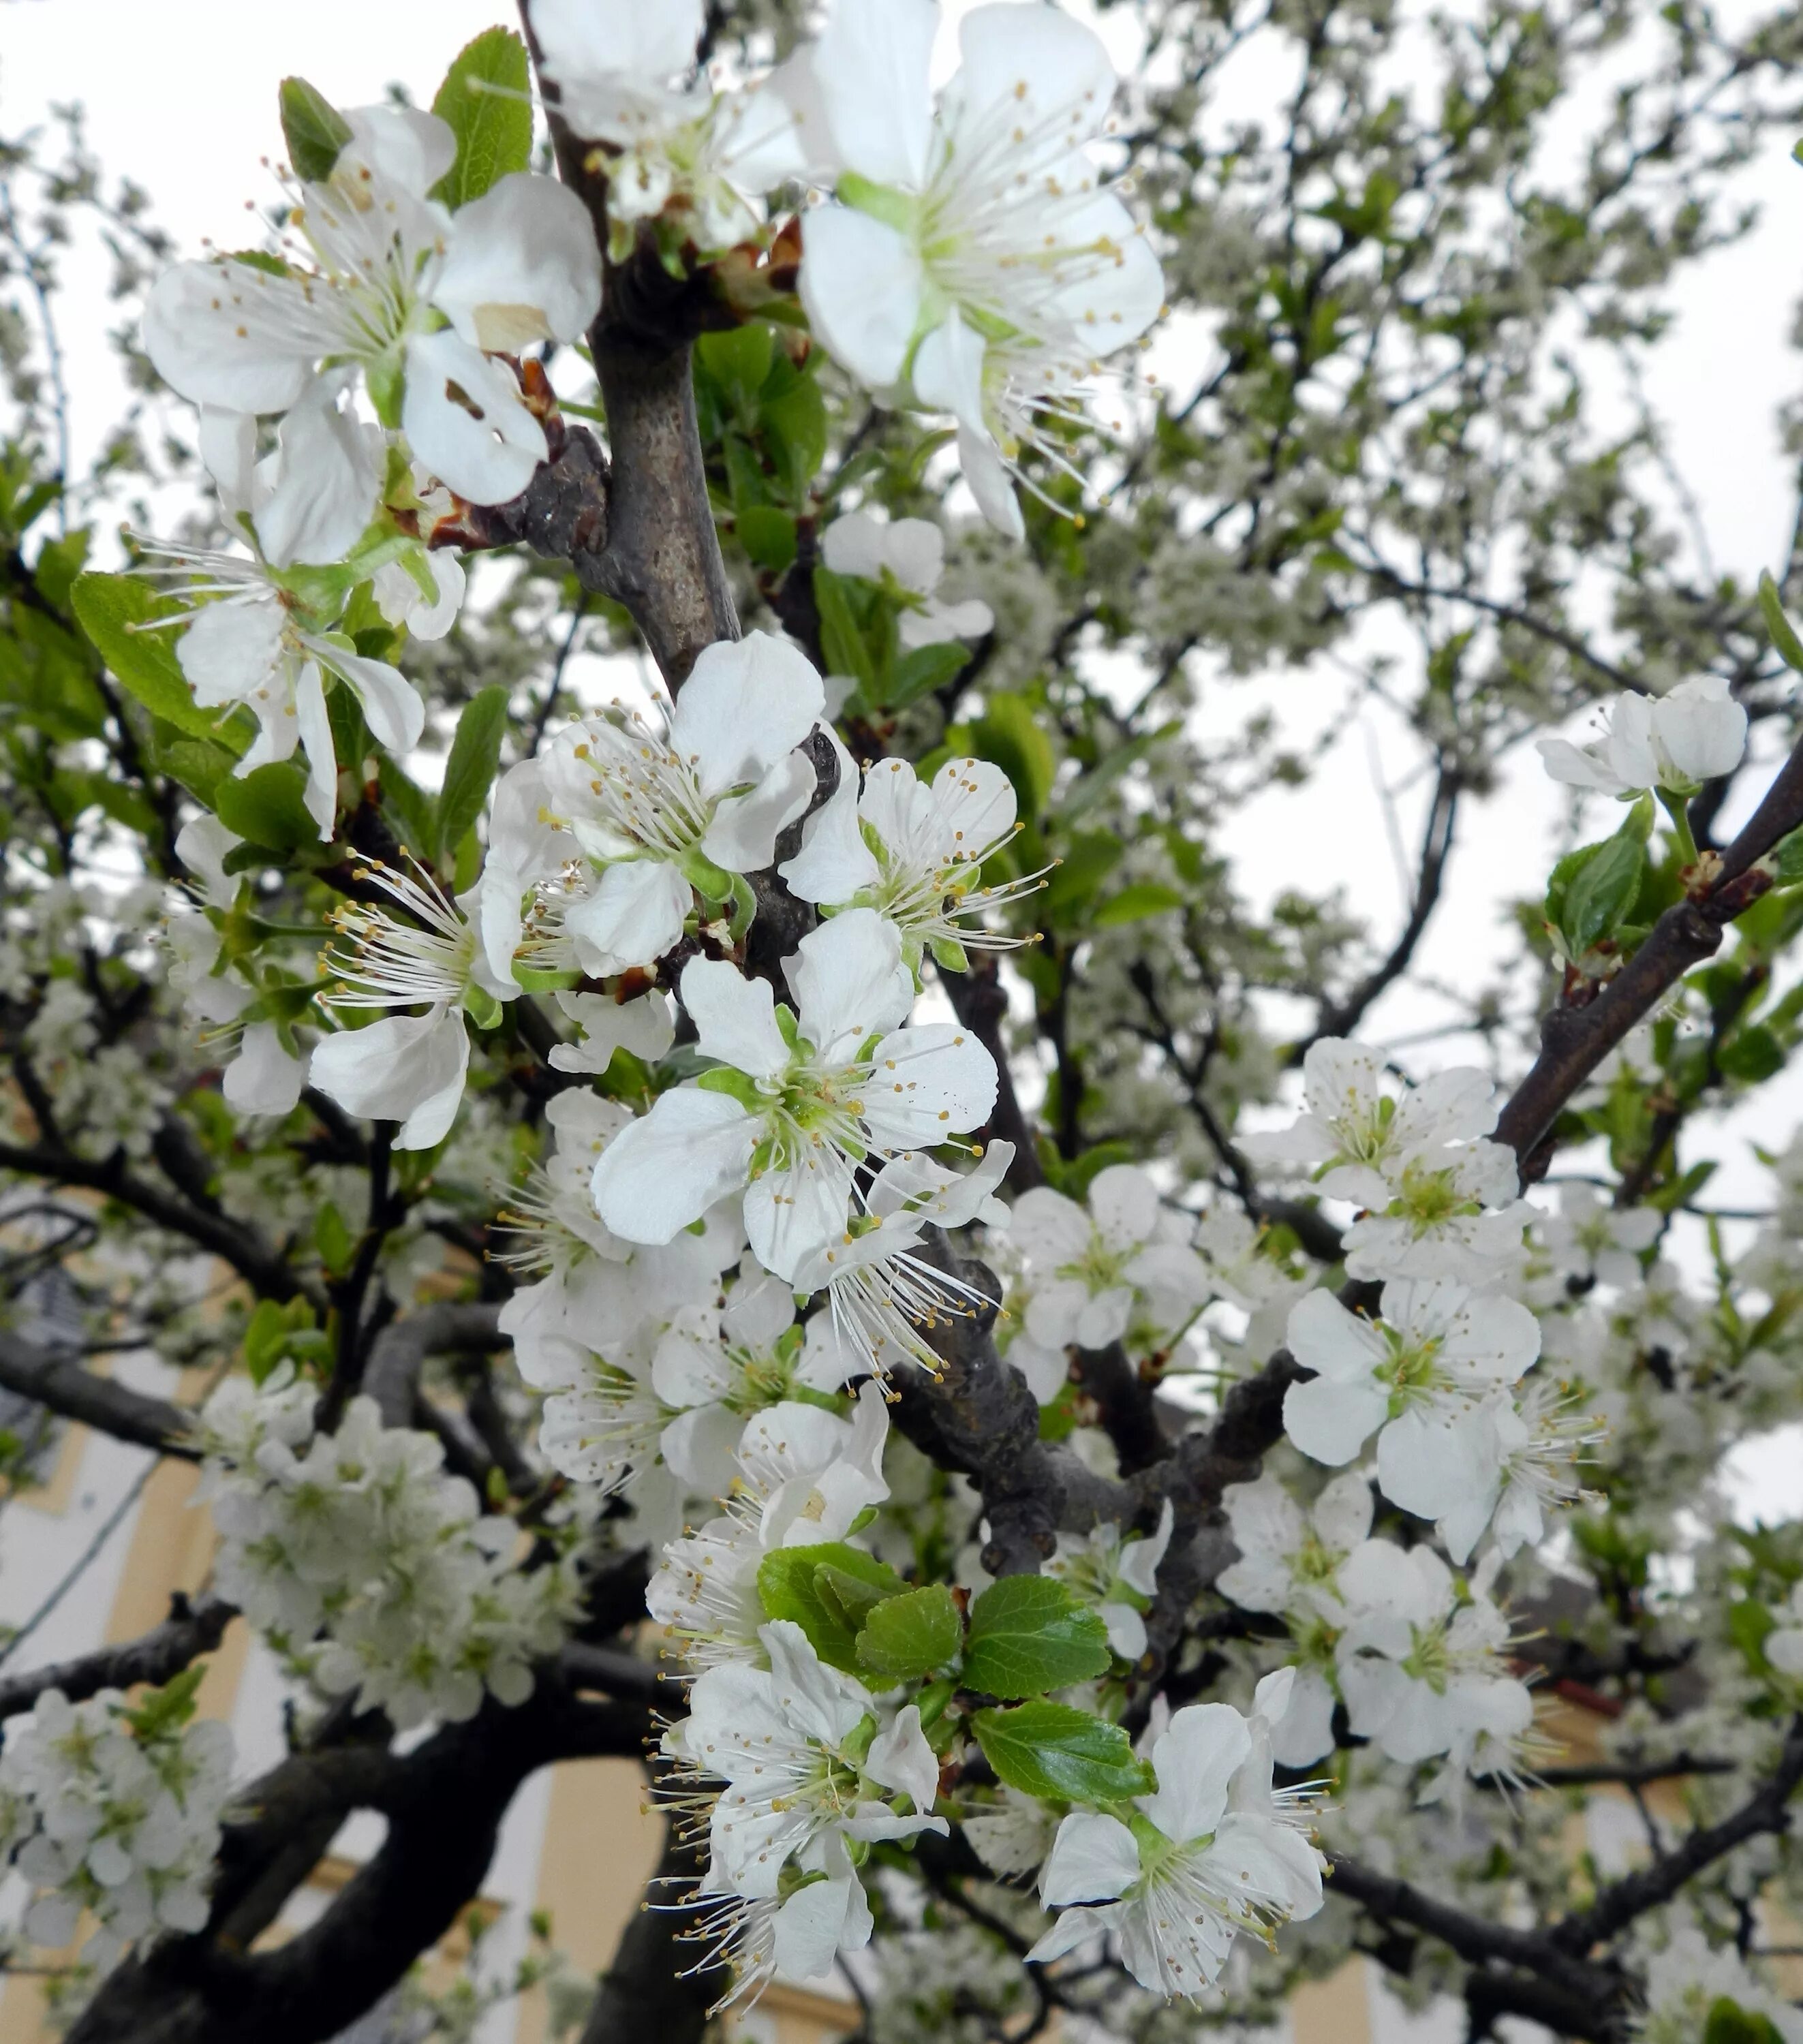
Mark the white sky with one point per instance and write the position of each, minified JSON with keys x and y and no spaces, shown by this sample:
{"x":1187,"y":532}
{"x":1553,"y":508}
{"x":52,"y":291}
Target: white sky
{"x":182,"y":95}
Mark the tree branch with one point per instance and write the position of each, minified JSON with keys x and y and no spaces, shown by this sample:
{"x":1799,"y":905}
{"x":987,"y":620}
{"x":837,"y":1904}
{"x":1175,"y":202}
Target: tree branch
{"x":254,"y":1259}
{"x":54,"y":1378}
{"x":444,"y":1803}
{"x":1340,"y":1018}
{"x":190,"y":1630}
{"x":399,"y":1352}
{"x":1766,"y":1810}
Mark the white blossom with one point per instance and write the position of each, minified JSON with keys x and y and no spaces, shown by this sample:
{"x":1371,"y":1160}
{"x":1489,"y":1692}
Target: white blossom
{"x":1424,"y":1672}
{"x":798,"y":1101}
{"x":658,"y":818}
{"x":384,"y":279}
{"x":1417,"y":1163}
{"x":798,"y":1746}
{"x":805,"y":1476}
{"x":676,"y":146}
{"x":1118,"y":1578}
{"x":114,"y":1809}
{"x":1217,"y":1850}
{"x":1675,"y":742}
{"x":915,"y":853}
{"x":905,"y":557}
{"x":1423,"y":1374}
{"x":975,"y":261}
{"x":373,"y":1569}
{"x":1093,"y":1275}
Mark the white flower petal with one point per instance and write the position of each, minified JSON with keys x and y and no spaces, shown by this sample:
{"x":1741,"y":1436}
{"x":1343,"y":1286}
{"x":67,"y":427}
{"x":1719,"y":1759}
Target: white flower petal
{"x":523,"y":266}
{"x":464,"y":420}
{"x":1093,"y":1859}
{"x":667,"y":1169}
{"x":735,"y":1018}
{"x":872,"y":64}
{"x":862,"y":285}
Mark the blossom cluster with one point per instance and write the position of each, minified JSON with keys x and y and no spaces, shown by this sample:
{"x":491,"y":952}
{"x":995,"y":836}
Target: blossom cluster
{"x":112,"y":1809}
{"x":368,"y":1567}
{"x":731,"y":1251}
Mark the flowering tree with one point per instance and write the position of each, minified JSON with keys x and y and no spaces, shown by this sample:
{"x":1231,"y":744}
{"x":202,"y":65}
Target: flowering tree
{"x":795,"y":1175}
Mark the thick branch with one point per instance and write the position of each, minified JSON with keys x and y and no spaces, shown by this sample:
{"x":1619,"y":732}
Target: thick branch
{"x":55,"y":1378}
{"x":1569,"y":1996}
{"x":651,"y":1991}
{"x":444,"y":1803}
{"x":400,"y":1351}
{"x":659,"y":554}
{"x":190,"y":1630}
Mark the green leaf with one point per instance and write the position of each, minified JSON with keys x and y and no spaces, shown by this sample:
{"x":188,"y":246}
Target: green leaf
{"x":768,"y":536}
{"x":794,"y":428}
{"x":1028,"y":1635}
{"x":198,"y":765}
{"x":905,"y":1637}
{"x":1787,"y":854}
{"x":1051,"y":1750}
{"x":1748,"y":1622}
{"x":841,"y":641}
{"x":165,"y":1711}
{"x":1729,"y":2023}
{"x":1095,"y":781}
{"x":414,"y":808}
{"x":265,"y":1333}
{"x":1752,"y":1054}
{"x":475,"y":754}
{"x":1597,"y":891}
{"x":738,"y":359}
{"x":332,"y":1238}
{"x":1135,"y":901}
{"x":313,"y":129}
{"x":787,"y":1583}
{"x":1008,"y":734}
{"x":267,"y":808}
{"x":925,"y":670}
{"x":112,"y":611}
{"x":849,"y":1597}
{"x":494,"y":128}
{"x":1788,"y":648}
{"x":1089,"y":857}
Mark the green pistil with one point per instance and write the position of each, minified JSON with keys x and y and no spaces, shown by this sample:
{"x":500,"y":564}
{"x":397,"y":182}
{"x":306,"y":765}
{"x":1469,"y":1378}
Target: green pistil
{"x":1314,"y":1563}
{"x":1429,"y":1198}
{"x":1099,"y":1267}
{"x":1428,"y":1660}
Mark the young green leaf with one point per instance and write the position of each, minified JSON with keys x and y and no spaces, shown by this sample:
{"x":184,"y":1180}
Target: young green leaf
{"x":113,"y":611}
{"x":850,"y":1597}
{"x":789,"y":1585}
{"x":486,"y":102}
{"x":1135,"y":901}
{"x":1785,"y":641}
{"x":313,"y":129}
{"x":925,"y":669}
{"x":1729,"y":2023}
{"x":475,"y":754}
{"x":1028,"y":1635}
{"x":1599,"y":895}
{"x":1050,"y":1749}
{"x":905,"y":1637}
{"x":844,"y":645}
{"x":1009,"y":734}
{"x":268,"y":808}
